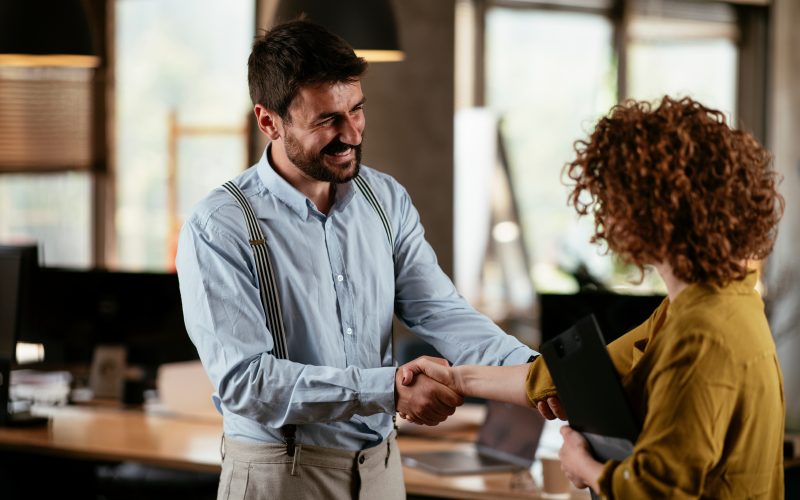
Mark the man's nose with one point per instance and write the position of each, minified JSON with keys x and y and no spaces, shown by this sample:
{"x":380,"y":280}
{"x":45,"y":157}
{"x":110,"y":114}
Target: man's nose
{"x":351,"y":128}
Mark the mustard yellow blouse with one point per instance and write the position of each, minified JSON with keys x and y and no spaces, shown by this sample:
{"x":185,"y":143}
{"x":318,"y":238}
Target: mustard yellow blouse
{"x":703,"y":380}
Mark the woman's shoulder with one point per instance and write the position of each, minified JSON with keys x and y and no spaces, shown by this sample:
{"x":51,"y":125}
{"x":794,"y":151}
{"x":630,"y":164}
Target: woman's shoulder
{"x":732,"y":318}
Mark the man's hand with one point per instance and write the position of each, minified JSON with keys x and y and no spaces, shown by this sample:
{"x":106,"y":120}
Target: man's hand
{"x":576,"y":461}
{"x":423,"y":400}
{"x":552,"y":409}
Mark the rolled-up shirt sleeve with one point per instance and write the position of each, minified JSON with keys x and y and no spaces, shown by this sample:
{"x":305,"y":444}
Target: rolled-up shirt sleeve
{"x":427,"y":303}
{"x":225,"y":319}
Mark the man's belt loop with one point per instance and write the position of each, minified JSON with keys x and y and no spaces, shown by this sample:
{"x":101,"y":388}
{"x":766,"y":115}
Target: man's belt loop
{"x":222,"y":448}
{"x":289,"y":434}
{"x":296,"y":460}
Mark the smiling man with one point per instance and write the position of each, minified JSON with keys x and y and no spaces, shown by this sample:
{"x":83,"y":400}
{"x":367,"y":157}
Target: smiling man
{"x":290,"y":277}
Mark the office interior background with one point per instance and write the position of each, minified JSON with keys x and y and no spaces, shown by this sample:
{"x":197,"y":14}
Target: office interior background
{"x":100,"y":163}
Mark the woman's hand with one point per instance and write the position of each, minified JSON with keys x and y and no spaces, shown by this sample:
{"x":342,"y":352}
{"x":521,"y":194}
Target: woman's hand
{"x":577,"y":462}
{"x":552,"y":409}
{"x":436,"y":368}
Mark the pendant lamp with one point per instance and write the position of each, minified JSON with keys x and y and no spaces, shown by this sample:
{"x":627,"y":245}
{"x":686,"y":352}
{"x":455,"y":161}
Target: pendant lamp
{"x":47,"y":87}
{"x":45,"y":33}
{"x":367,"y":25}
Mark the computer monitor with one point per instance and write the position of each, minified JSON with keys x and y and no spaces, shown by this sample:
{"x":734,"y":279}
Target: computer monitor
{"x":19,"y":273}
{"x":616,"y":314}
{"x":85,"y":309}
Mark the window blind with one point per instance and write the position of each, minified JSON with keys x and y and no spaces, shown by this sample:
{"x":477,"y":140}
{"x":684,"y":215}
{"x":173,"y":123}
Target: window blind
{"x":46,"y":117}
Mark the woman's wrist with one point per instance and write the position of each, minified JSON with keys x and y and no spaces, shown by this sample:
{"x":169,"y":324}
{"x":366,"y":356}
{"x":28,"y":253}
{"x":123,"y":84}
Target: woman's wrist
{"x":592,"y":472}
{"x":460,"y":380}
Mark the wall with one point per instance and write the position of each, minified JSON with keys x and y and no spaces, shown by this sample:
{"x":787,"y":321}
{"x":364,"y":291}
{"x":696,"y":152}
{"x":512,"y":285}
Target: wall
{"x":783,"y":272}
{"x":409,"y":114}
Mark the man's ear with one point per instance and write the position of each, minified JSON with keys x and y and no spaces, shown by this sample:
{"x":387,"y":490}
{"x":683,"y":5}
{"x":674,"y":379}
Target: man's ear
{"x":269,"y":122}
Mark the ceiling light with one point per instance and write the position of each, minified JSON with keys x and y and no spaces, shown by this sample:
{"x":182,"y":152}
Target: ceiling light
{"x":45,"y":33}
{"x":505,"y":232}
{"x":367,"y":25}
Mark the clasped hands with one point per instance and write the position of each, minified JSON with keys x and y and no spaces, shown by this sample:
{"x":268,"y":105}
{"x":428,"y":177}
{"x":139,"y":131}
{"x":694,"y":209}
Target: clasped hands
{"x":428,"y":391}
{"x":425,"y":399}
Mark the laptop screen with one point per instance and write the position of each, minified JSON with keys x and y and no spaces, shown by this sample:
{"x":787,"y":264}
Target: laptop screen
{"x":510,"y":431}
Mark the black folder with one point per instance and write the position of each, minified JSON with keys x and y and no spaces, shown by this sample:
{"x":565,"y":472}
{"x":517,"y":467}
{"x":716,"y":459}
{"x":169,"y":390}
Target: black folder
{"x":590,"y":390}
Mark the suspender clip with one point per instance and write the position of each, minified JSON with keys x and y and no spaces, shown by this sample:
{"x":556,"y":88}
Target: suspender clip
{"x":257,"y":242}
{"x":289,"y":436}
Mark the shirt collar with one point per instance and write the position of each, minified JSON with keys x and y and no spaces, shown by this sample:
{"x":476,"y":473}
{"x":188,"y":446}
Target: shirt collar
{"x":293,"y":198}
{"x":695,"y":291}
{"x":344,"y":193}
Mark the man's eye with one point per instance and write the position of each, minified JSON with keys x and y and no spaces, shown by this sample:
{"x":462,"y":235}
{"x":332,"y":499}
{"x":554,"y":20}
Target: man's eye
{"x":326,"y":122}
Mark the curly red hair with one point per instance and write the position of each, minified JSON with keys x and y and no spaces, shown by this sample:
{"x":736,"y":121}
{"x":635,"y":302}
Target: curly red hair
{"x":677,"y":183}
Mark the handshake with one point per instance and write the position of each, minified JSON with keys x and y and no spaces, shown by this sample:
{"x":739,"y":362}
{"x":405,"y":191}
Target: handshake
{"x":428,"y":390}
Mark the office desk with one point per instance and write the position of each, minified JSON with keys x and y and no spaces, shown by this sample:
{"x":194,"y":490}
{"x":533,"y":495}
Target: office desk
{"x":107,"y":434}
{"x":110,"y":434}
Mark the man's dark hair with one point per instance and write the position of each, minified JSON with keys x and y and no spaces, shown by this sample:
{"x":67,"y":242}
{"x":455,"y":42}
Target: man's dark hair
{"x":294,"y":54}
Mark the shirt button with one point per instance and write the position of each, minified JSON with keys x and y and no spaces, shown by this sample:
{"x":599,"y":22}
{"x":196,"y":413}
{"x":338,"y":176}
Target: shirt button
{"x":361,"y":459}
{"x":626,"y":474}
{"x":340,"y":277}
{"x":349,"y":331}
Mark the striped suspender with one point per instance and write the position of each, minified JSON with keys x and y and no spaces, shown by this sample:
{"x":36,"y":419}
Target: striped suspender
{"x":266,"y":278}
{"x":365,"y":188}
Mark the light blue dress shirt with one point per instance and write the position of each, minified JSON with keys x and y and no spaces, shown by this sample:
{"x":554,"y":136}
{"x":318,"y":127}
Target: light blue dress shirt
{"x":339,"y":290}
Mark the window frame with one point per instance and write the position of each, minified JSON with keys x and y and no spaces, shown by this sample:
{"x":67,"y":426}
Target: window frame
{"x":102,"y":205}
{"x":754,"y":53}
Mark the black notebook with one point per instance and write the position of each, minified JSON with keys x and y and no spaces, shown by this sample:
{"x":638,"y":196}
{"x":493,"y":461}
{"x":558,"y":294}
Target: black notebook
{"x":590,"y":390}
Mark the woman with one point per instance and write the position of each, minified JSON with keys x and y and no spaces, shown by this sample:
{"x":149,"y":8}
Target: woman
{"x":675,"y":188}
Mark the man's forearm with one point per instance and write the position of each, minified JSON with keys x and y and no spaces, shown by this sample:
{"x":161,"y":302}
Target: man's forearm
{"x":276,"y":392}
{"x":499,"y":383}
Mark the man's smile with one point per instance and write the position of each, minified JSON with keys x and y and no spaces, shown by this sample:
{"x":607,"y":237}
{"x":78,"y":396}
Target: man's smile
{"x":342,"y":153}
{"x":341,"y":157}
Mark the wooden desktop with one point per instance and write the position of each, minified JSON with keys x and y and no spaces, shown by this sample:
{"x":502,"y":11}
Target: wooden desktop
{"x":115,"y":434}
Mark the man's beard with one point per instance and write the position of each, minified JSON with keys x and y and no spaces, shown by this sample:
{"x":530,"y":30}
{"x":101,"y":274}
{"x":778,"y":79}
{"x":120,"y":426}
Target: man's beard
{"x":313,"y":164}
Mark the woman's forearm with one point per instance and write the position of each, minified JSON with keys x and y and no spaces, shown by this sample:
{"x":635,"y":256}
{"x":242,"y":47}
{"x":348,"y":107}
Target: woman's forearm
{"x":498,"y":383}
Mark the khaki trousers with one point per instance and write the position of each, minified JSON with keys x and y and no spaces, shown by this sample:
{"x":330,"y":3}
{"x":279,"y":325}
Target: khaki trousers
{"x":253,"y":471}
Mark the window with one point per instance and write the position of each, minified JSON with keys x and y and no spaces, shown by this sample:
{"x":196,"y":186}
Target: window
{"x":46,"y":161}
{"x":549,"y":75}
{"x":684,"y":52}
{"x":180,"y":122}
{"x":547,"y":70}
{"x":51,"y":209}
{"x":182,"y":106}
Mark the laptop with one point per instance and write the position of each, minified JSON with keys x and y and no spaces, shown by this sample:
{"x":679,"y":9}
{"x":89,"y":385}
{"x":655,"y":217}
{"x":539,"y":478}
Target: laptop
{"x":507,"y":442}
